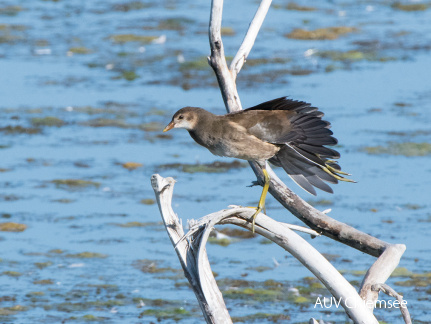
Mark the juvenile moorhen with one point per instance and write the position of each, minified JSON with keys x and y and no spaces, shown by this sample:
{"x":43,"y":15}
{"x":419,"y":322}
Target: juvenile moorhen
{"x":285,"y":132}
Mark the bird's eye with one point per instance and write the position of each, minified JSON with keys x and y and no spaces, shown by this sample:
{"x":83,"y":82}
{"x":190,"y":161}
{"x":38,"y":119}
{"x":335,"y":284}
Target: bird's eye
{"x":180,"y":117}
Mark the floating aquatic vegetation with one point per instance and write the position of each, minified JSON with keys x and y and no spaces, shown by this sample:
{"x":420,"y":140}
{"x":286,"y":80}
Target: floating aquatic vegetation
{"x":297,"y":7}
{"x":148,"y":201}
{"x":261,"y":295}
{"x":261,"y":317}
{"x":6,"y":311}
{"x":49,"y":121}
{"x":214,"y":167}
{"x":404,"y":149}
{"x":152,"y":266}
{"x":227,"y":31}
{"x":10,"y":10}
{"x":126,"y":38}
{"x":259,"y":268}
{"x":132,"y":165}
{"x":75,"y":183}
{"x":12,"y":227}
{"x":19,"y":130}
{"x":129,"y":6}
{"x":87,"y":255}
{"x":80,"y":50}
{"x":320,"y":202}
{"x":175,"y":314}
{"x":138,"y":224}
{"x":219,"y":241}
{"x":234,"y":232}
{"x":43,"y":282}
{"x":328,"y":33}
{"x":43,"y":265}
{"x":178,"y":24}
{"x":129,"y":75}
{"x":410,"y":6}
{"x":354,"y":55}
{"x":12,"y":273}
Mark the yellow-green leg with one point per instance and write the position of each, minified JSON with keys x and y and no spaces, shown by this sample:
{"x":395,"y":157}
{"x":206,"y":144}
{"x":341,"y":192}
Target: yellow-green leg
{"x":261,"y":204}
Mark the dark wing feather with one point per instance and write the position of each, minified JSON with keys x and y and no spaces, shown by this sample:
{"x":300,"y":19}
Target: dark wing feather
{"x":302,"y":134}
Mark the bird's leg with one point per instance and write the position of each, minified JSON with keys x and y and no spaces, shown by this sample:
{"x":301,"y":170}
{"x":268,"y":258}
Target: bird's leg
{"x":261,"y":204}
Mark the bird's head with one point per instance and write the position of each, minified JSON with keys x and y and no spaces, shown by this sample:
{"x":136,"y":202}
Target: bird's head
{"x":184,"y":118}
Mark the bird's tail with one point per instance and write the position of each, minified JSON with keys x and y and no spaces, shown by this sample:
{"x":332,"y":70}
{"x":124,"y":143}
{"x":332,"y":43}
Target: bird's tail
{"x":309,"y":171}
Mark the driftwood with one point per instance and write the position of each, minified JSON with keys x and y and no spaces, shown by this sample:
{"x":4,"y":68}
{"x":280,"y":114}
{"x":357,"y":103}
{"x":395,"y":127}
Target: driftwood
{"x":191,"y":247}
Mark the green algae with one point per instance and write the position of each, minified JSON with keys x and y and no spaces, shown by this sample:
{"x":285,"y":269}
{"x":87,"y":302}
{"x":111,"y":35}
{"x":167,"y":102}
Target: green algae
{"x":35,"y":294}
{"x":178,"y":23}
{"x":219,"y":241}
{"x":234,"y":232}
{"x":50,"y":121}
{"x":259,"y":268}
{"x":74,"y":183}
{"x":152,"y":266}
{"x":126,"y":38}
{"x":138,"y":224}
{"x":404,"y":149}
{"x":260,"y":317}
{"x":297,"y":7}
{"x":272,"y":283}
{"x":6,"y":311}
{"x":130,"y":6}
{"x":410,"y":6}
{"x":320,"y":202}
{"x":151,"y":127}
{"x":214,"y":167}
{"x":64,"y":200}
{"x":12,"y":227}
{"x":105,"y":122}
{"x":401,"y":272}
{"x":175,"y":314}
{"x":56,"y":251}
{"x":10,"y":130}
{"x":10,"y":10}
{"x":132,"y":165}
{"x":43,"y":265}
{"x":43,"y":282}
{"x":129,"y":75}
{"x":265,"y":241}
{"x":200,"y":63}
{"x":80,"y":50}
{"x":227,"y":31}
{"x":15,"y":274}
{"x":354,"y":56}
{"x":148,"y":201}
{"x":261,"y":295}
{"x":87,"y":255}
{"x":329,"y":33}
{"x":92,"y":318}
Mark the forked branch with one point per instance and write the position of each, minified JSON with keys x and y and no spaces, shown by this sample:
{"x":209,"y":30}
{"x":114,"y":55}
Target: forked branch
{"x":194,"y":260}
{"x":191,"y":247}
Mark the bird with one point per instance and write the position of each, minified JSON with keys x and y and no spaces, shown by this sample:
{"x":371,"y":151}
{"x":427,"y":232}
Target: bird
{"x":284,"y":132}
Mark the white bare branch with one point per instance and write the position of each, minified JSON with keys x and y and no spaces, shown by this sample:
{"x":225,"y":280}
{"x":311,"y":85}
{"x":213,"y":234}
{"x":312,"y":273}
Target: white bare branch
{"x":249,"y":39}
{"x":390,"y":292}
{"x":200,"y":275}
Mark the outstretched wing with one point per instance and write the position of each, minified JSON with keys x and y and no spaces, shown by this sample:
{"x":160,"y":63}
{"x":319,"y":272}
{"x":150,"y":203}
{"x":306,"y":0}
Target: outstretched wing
{"x":299,"y":129}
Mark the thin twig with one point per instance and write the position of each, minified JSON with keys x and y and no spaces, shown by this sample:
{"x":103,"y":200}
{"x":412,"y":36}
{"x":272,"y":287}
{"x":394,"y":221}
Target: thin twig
{"x":249,"y":39}
{"x":391,"y":292}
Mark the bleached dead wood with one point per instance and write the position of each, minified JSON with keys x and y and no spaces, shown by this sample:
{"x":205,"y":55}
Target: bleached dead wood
{"x":194,"y":260}
{"x":388,"y":254}
{"x":191,"y":248}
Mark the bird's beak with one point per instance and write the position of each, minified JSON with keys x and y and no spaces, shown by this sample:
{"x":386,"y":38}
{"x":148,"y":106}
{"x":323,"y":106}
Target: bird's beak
{"x":169,"y":126}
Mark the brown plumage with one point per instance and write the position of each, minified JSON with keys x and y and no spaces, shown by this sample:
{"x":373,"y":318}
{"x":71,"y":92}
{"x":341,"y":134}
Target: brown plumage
{"x":287,"y":133}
